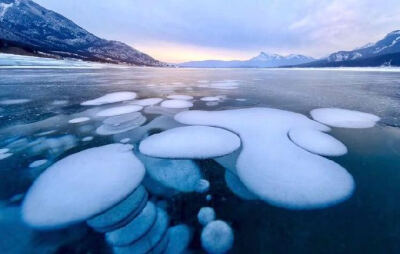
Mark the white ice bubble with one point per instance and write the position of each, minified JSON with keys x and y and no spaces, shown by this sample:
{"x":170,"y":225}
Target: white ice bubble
{"x":317,"y":142}
{"x":120,"y":110}
{"x":237,"y":187}
{"x":5,"y":155}
{"x":120,"y":124}
{"x":110,"y":98}
{"x":38,"y":163}
{"x":217,"y":237}
{"x":148,"y":241}
{"x":4,"y":150}
{"x":147,"y":102}
{"x":180,"y":97}
{"x":134,"y":229}
{"x":179,"y":238}
{"x":176,"y":104}
{"x":79,"y":120}
{"x":206,"y":215}
{"x":82,"y":185}
{"x":210,"y":98}
{"x":14,"y":101}
{"x":87,"y":139}
{"x":344,"y":118}
{"x":125,"y":140}
{"x":203,"y":186}
{"x":194,"y":142}
{"x":271,"y":166}
{"x":181,"y":175}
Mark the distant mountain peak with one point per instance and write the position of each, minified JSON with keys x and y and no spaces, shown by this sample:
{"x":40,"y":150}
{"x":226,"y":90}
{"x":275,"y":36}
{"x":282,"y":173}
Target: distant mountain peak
{"x":30,"y":28}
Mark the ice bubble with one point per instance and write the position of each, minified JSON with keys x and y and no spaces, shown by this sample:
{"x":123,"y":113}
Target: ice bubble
{"x":209,"y":197}
{"x":125,"y":140}
{"x":237,"y":187}
{"x":37,"y":163}
{"x":87,"y":139}
{"x":217,"y":237}
{"x":147,"y":242}
{"x":82,"y":185}
{"x":176,"y":104}
{"x":4,"y":150}
{"x":271,"y":166}
{"x":110,"y":98}
{"x":121,"y":214}
{"x":344,"y":118}
{"x":147,"y":102}
{"x":181,"y":175}
{"x":180,"y":97}
{"x":317,"y":142}
{"x":135,"y":229}
{"x":53,"y":146}
{"x":122,"y":123}
{"x":79,"y":120}
{"x":120,"y":110}
{"x":14,"y":101}
{"x":203,"y":186}
{"x":180,"y":237}
{"x":158,"y":110}
{"x":210,"y":98}
{"x":191,"y":142}
{"x":212,"y":103}
{"x":5,"y":155}
{"x":206,"y":215}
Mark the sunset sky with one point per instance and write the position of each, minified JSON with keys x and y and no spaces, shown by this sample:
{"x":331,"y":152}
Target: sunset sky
{"x":182,"y":30}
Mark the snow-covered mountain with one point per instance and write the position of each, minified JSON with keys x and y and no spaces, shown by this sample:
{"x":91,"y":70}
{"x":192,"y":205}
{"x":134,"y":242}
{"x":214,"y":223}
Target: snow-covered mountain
{"x":263,"y":60}
{"x":385,"y":52}
{"x":389,"y":44}
{"x":28,"y":27}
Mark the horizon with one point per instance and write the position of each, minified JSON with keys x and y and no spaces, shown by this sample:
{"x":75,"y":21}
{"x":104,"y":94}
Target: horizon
{"x":175,"y":31}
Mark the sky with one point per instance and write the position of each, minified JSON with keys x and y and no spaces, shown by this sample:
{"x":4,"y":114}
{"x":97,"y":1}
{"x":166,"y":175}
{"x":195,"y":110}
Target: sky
{"x":182,"y":30}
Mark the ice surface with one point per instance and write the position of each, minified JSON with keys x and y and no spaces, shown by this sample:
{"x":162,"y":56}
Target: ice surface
{"x":193,"y":142}
{"x":317,"y":142}
{"x":180,"y":237}
{"x":206,"y":215}
{"x":120,"y":214}
{"x":344,"y":118}
{"x":115,"y":111}
{"x":38,"y":163}
{"x":181,"y":175}
{"x":110,"y":98}
{"x":271,"y":166}
{"x":176,"y":104}
{"x":135,"y":229}
{"x":79,"y":120}
{"x":217,"y":237}
{"x":82,"y":185}
{"x":180,"y":97}
{"x":147,"y":242}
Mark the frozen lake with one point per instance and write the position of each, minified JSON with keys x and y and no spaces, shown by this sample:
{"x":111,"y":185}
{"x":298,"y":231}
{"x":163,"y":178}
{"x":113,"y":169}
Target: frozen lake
{"x":278,"y":203}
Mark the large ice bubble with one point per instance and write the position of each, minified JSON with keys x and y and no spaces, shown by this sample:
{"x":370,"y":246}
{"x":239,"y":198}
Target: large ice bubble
{"x":344,"y":118}
{"x":179,"y":239}
{"x":82,"y":185}
{"x":120,"y":124}
{"x":194,"y":142}
{"x":317,"y":142}
{"x":176,"y":104}
{"x":206,"y":215}
{"x":120,"y":110}
{"x":271,"y":166}
{"x":110,"y":98}
{"x":217,"y":237}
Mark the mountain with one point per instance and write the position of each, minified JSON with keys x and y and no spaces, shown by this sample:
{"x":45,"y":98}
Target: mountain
{"x":263,"y":60}
{"x":384,"y":52}
{"x":28,"y":28}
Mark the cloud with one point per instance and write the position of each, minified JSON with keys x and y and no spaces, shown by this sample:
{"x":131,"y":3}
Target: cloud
{"x":314,"y":27}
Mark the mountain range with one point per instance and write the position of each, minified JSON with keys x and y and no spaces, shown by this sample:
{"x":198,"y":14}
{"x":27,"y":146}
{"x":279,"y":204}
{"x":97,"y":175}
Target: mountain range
{"x":28,"y":28}
{"x":263,"y":60}
{"x":385,"y":52}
